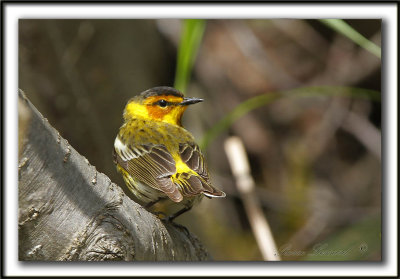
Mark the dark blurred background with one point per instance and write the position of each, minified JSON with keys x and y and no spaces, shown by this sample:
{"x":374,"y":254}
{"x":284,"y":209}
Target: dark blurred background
{"x":316,"y":161}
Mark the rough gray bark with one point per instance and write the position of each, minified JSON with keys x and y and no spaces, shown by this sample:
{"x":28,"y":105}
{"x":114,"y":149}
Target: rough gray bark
{"x":70,"y":212}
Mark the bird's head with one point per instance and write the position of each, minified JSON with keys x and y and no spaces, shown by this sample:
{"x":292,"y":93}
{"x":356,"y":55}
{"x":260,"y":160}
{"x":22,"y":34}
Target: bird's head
{"x":163,"y":103}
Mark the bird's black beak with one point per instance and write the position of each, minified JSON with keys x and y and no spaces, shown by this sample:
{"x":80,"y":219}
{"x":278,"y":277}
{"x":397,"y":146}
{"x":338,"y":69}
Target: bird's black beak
{"x":190,"y":101}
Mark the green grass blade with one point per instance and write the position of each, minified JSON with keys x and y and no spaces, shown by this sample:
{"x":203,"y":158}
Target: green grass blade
{"x":267,"y":98}
{"x":192,"y":33}
{"x":342,"y":27}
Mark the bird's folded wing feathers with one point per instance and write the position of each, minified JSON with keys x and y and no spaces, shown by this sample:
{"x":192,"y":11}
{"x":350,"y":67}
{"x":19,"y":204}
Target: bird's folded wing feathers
{"x":193,"y":158}
{"x":152,"y":165}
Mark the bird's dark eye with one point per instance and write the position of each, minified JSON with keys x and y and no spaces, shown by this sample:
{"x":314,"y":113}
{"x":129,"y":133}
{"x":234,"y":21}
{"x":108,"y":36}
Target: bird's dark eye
{"x":162,"y":103}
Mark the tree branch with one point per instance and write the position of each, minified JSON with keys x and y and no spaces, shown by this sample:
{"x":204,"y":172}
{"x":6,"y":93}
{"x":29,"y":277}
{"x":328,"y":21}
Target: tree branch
{"x":70,"y":212}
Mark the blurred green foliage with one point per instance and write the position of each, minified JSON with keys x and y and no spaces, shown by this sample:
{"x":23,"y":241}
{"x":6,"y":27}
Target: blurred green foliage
{"x":192,"y":33}
{"x":343,"y":245}
{"x":342,"y":27}
{"x":262,"y":100}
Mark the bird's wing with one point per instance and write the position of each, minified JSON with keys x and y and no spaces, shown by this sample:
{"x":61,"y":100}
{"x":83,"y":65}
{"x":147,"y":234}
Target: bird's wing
{"x":191,"y":155}
{"x":150,"y":164}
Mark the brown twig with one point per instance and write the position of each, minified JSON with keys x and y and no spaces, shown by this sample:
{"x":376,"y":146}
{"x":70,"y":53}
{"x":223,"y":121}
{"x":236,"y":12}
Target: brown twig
{"x":241,"y":170}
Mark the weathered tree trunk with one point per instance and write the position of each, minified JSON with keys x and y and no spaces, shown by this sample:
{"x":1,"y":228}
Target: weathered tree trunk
{"x":70,"y":212}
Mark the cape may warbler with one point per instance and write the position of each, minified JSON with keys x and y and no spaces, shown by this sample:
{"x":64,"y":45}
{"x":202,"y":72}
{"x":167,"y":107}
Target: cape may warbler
{"x":159,"y":160}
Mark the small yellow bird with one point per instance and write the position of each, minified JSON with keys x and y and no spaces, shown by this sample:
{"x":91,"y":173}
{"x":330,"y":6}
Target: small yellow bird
{"x":159,"y":160}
